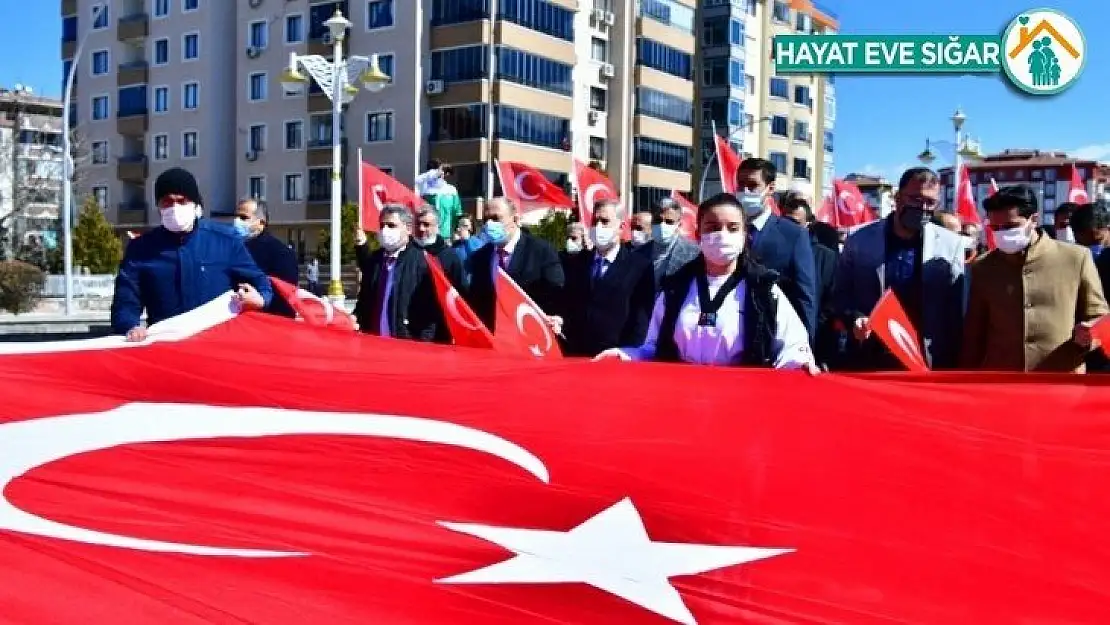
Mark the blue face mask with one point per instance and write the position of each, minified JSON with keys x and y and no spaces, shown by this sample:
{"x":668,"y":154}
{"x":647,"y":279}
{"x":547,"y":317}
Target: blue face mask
{"x":495,"y":232}
{"x":752,"y":201}
{"x":1096,"y":249}
{"x":242,"y":228}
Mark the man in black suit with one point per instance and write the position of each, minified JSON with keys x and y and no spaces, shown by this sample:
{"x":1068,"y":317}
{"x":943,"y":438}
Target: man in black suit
{"x":825,"y":340}
{"x":531,"y":262}
{"x":609,"y":293}
{"x":397,"y":297}
{"x":273,"y":257}
{"x":668,"y":250}
{"x":428,"y":238}
{"x":779,"y":244}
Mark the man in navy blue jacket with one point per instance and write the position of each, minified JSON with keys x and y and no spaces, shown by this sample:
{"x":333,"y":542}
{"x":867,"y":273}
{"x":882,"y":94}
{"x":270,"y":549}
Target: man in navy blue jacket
{"x":777,"y":243}
{"x":184,"y":264}
{"x":272,"y":256}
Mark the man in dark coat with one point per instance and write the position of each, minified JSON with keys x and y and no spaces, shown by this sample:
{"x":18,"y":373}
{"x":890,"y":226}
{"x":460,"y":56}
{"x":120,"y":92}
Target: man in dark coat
{"x":273,"y":257}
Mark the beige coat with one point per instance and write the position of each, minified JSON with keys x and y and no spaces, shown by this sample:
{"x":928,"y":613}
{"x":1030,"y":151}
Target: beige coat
{"x":1023,"y":308}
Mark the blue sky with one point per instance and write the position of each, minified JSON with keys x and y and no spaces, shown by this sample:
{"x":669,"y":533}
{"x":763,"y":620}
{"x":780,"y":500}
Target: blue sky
{"x":882,"y":122}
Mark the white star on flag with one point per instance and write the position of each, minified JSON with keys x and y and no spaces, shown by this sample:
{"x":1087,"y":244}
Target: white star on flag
{"x":610,"y":551}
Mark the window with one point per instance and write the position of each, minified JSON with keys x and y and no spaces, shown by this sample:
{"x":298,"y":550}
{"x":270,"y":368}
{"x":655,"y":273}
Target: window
{"x":1019,"y":174}
{"x":379,"y":14}
{"x":294,"y":188}
{"x":534,"y":128}
{"x":736,"y":73}
{"x":161,"y":99}
{"x":539,"y":15}
{"x":294,"y":28}
{"x":385,"y":63}
{"x":460,"y":64}
{"x":256,"y":187}
{"x":669,"y":12}
{"x":829,"y":142}
{"x":1049,"y":175}
{"x":319,"y":184}
{"x":736,"y":32}
{"x":257,"y":86}
{"x":190,"y":96}
{"x":161,"y":51}
{"x":781,"y":12}
{"x":714,"y":72}
{"x":161,"y":147}
{"x":735,"y":112}
{"x":69,"y":29}
{"x":801,"y":95}
{"x":801,"y":169}
{"x":534,"y":71}
{"x":749,"y":82}
{"x":100,"y":194}
{"x":802,"y":22}
{"x":597,"y":149}
{"x":779,"y":88}
{"x":190,"y":47}
{"x":189,"y":5}
{"x":258,"y":34}
{"x":256,"y":138}
{"x":101,"y":21}
{"x":780,"y":126}
{"x":457,"y":12}
{"x":778,"y":159}
{"x":599,"y":50}
{"x":100,"y":63}
{"x":379,"y":126}
{"x":294,"y":135}
{"x":189,"y":144}
{"x":1036,"y":174}
{"x":664,"y":58}
{"x":319,"y":128}
{"x":749,"y":121}
{"x":459,"y":122}
{"x":161,"y":8}
{"x":801,"y":131}
{"x":100,"y":108}
{"x":100,"y":152}
{"x":664,"y":106}
{"x":599,"y":99}
{"x":656,"y":153}
{"x":715,"y":31}
{"x":647,"y":198}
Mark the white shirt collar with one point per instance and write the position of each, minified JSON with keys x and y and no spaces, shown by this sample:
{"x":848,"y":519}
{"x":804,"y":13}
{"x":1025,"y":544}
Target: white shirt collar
{"x":761,"y":219}
{"x":510,"y":245}
{"x":611,"y":255}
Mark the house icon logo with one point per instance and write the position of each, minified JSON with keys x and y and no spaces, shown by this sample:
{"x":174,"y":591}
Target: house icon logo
{"x":1043,"y":51}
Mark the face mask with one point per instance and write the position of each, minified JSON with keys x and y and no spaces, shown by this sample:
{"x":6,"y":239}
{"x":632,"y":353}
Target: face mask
{"x":639,"y":237}
{"x":603,"y":236}
{"x":428,"y":240}
{"x":495,"y":232}
{"x":1096,"y":249}
{"x":573,"y":247}
{"x":179,"y":217}
{"x":1013,"y":240}
{"x":723,"y":247}
{"x":242,"y":228}
{"x":664,"y":232}
{"x":913,"y":218}
{"x":390,"y":239}
{"x":752,"y":201}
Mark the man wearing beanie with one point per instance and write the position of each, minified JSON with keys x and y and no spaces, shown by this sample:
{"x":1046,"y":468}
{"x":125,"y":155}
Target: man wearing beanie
{"x":184,"y":264}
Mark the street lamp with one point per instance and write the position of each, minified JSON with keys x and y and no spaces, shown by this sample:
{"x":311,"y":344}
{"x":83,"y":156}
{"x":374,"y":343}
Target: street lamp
{"x":712,"y":157}
{"x":337,"y":79}
{"x":67,"y":167}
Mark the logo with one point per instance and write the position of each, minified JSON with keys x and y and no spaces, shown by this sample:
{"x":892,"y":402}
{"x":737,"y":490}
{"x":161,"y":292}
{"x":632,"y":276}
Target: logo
{"x":1044,"y":51}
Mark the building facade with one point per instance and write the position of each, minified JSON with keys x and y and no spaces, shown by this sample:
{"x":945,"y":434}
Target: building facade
{"x":1047,"y":172}
{"x":196,"y":84}
{"x":788,"y":120}
{"x":878,"y":191}
{"x":31,"y":169}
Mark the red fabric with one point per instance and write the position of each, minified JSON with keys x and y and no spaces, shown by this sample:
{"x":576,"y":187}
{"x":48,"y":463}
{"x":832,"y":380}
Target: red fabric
{"x":377,"y":189}
{"x":966,"y":208}
{"x":729,"y":163}
{"x":593,"y":186}
{"x":520,"y":327}
{"x":906,"y":499}
{"x":891,"y":324}
{"x":1077,"y":191}
{"x":988,"y":233}
{"x":466,"y":328}
{"x":689,"y":225}
{"x":312,"y":309}
{"x":530,"y":189}
{"x":846,"y":208}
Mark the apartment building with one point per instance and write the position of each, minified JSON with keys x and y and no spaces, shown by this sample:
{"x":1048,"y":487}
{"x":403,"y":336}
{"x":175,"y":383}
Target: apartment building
{"x":30,"y":168}
{"x":196,"y":83}
{"x":788,"y":120}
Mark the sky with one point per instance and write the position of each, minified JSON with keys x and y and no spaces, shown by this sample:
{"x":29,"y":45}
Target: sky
{"x":882,"y":121}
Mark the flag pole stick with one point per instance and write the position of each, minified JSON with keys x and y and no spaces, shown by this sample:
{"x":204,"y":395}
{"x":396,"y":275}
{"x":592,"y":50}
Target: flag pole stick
{"x":361,"y":226}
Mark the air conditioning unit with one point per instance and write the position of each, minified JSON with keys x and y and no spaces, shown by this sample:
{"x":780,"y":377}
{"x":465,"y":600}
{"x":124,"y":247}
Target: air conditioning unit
{"x":599,"y":16}
{"x":252,"y":155}
{"x":610,"y":18}
{"x":253,"y":52}
{"x":433,"y":87}
{"x":593,"y":116}
{"x":326,"y":39}
{"x":607,"y":70}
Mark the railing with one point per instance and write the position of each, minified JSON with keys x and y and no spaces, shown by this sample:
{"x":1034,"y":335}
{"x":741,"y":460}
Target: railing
{"x":135,"y":111}
{"x":100,"y":285}
{"x":140,"y":64}
{"x":134,"y":17}
{"x":319,"y":143}
{"x":136,"y":159}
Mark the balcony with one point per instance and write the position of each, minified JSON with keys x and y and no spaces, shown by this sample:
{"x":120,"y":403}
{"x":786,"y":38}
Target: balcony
{"x":132,"y":168}
{"x":324,"y":48}
{"x":134,"y":212}
{"x":69,"y":49}
{"x":135,"y":26}
{"x":69,"y":7}
{"x":318,"y":103}
{"x":133,"y":73}
{"x":133,"y":123}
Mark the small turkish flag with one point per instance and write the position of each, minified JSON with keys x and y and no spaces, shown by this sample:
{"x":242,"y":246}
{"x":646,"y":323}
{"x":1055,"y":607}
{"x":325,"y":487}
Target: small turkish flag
{"x":689,"y":225}
{"x":467,"y":330}
{"x":729,"y":163}
{"x":891,"y":324}
{"x":966,"y":208}
{"x":312,"y":309}
{"x":593,"y":186}
{"x":529,"y":189}
{"x":376,"y":189}
{"x":520,"y":325}
{"x":1077,"y":191}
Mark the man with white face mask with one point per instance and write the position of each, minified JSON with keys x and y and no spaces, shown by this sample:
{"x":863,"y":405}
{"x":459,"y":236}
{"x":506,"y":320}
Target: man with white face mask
{"x":608,"y":295}
{"x":669,"y":249}
{"x":397,"y":296}
{"x":1033,"y":299}
{"x":641,"y":228}
{"x":183,"y":264}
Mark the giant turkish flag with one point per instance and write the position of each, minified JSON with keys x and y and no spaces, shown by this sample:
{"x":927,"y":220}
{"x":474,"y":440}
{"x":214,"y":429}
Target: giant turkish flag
{"x":252,"y":469}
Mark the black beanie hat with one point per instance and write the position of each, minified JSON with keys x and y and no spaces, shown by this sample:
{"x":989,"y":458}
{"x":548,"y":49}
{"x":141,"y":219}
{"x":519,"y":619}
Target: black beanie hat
{"x":177,"y":181}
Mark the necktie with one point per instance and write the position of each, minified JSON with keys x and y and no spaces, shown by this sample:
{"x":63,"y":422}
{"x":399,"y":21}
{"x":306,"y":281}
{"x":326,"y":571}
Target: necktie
{"x":503,"y":258}
{"x":379,"y":294}
{"x":599,"y":268}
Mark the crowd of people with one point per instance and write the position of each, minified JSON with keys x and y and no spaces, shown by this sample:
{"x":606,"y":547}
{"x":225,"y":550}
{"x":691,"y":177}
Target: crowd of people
{"x":759,"y":282}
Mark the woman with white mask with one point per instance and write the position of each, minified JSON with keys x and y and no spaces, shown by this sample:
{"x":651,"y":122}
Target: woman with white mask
{"x":723,"y":308}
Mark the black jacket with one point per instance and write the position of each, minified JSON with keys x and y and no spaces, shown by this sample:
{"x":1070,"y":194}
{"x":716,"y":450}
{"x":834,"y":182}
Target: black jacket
{"x":534,"y":266}
{"x":612,"y":311}
{"x":412,"y":306}
{"x":275,"y":259}
{"x":825,"y":340}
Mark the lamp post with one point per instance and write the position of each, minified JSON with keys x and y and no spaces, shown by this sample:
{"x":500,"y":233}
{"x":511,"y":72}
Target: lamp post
{"x":713,"y":156}
{"x":962,"y":148}
{"x":337,"y":80}
{"x":67,"y":168}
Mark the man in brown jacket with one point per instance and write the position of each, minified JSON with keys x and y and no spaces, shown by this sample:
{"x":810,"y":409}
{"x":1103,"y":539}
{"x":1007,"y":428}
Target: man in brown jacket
{"x":1033,"y":300}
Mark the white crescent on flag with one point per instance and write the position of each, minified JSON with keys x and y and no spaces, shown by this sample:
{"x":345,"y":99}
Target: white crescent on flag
{"x":520,"y":178}
{"x":591,"y":193}
{"x":524,"y":311}
{"x":847,"y":203}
